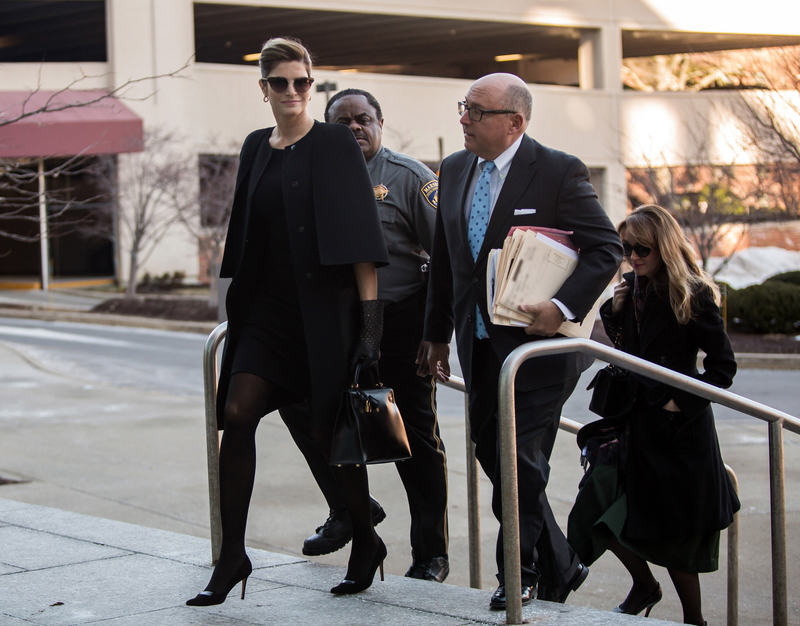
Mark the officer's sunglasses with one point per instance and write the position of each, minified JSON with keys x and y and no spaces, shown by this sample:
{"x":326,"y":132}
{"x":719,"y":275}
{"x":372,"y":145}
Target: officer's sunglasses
{"x":279,"y":84}
{"x":640,"y":250}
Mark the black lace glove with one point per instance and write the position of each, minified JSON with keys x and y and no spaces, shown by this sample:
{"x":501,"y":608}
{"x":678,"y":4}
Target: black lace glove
{"x":370,"y":332}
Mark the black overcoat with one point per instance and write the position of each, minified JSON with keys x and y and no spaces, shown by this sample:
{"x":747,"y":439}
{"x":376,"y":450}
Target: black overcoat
{"x":333,"y":222}
{"x":676,"y":481}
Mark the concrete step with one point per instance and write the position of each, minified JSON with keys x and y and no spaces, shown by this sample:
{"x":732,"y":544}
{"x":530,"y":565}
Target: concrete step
{"x":58,"y":567}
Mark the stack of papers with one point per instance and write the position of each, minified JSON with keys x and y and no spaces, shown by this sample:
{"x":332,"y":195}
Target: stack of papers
{"x":530,"y":268}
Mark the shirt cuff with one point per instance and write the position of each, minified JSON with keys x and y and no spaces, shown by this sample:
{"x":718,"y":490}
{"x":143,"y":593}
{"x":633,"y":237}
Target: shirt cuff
{"x":568,"y":315}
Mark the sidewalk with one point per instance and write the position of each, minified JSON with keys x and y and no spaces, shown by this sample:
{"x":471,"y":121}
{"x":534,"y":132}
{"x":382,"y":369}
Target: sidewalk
{"x":65,"y":568}
{"x":138,"y":456}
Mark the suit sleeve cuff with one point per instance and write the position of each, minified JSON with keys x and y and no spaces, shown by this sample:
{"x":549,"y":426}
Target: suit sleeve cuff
{"x":565,"y":312}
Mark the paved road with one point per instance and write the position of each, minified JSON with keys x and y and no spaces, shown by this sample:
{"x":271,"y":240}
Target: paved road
{"x":107,"y":421}
{"x":127,"y":357}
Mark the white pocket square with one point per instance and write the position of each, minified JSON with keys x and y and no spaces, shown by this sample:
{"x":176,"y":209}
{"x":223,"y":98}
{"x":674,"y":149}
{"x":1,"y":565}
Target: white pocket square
{"x":524,"y":211}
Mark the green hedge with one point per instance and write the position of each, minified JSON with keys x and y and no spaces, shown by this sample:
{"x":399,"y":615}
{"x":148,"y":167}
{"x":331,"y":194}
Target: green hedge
{"x":772,"y":307}
{"x":787,"y":277}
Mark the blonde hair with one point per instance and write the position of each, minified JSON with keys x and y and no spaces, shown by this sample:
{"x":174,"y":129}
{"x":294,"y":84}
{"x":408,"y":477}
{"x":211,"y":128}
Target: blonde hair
{"x":654,"y":227}
{"x":280,"y":49}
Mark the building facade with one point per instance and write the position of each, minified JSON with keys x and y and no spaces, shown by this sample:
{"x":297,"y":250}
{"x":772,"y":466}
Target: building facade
{"x":418,"y":57}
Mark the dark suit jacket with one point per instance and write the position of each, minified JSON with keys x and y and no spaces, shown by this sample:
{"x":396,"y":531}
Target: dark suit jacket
{"x":676,"y":480}
{"x":333,"y":222}
{"x":557,"y":186}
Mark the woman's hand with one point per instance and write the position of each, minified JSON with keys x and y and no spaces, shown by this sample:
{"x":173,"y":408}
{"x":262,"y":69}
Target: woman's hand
{"x":370,"y":332}
{"x":620,"y":293}
{"x":370,"y":328}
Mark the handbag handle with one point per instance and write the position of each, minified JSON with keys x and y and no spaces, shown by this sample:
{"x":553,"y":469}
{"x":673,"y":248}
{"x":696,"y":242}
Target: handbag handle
{"x":356,"y":376}
{"x":368,"y":400}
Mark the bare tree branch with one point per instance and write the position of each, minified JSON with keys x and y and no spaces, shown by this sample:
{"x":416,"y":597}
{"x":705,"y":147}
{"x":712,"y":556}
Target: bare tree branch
{"x":713,"y":203}
{"x":19,"y":192}
{"x":146,"y":194}
{"x":207,"y":219}
{"x":54,"y":104}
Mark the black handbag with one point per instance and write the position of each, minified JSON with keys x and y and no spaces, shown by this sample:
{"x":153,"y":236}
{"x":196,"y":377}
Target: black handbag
{"x":603,"y":442}
{"x":368,"y":427}
{"x":614,"y":391}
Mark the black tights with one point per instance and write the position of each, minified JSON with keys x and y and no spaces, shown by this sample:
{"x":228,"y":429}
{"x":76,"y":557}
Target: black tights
{"x":248,"y":398}
{"x":644,"y":584}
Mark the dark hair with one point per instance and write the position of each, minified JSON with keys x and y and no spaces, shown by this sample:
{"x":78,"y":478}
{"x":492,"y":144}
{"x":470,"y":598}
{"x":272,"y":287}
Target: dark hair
{"x":353,"y":92}
{"x":280,"y":49}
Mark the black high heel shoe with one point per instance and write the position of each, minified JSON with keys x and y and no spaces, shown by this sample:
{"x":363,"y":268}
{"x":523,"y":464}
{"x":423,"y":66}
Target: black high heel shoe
{"x":354,"y":586}
{"x":209,"y":598}
{"x":646,"y":606}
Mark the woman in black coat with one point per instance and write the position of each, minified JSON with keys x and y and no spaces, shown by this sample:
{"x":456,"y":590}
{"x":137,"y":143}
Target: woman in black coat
{"x":303,"y":243}
{"x":668,"y":496}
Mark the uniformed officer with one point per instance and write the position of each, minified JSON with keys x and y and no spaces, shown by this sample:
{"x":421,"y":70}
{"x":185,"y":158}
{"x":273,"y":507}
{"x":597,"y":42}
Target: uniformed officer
{"x":407,"y":195}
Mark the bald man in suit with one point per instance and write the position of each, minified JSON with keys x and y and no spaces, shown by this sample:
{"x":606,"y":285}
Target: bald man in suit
{"x":503,"y":179}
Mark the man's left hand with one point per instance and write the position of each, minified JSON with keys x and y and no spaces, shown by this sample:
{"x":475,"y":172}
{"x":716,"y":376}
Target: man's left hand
{"x":547,"y":318}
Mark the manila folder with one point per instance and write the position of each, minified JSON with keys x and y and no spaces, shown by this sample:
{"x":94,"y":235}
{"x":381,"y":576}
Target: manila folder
{"x":540,"y":268}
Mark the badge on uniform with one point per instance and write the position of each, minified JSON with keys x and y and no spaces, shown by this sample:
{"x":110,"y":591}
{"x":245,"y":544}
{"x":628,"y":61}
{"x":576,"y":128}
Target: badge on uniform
{"x":431,"y":192}
{"x":381,"y":191}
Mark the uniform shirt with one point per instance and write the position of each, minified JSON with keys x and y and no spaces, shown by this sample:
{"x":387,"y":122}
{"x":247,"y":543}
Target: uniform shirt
{"x":407,"y":193}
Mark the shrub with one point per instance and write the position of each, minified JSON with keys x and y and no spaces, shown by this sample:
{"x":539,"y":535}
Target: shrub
{"x":792,"y":278}
{"x":772,"y":307}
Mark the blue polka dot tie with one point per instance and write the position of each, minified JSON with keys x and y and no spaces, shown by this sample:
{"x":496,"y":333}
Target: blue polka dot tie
{"x":478,"y":220}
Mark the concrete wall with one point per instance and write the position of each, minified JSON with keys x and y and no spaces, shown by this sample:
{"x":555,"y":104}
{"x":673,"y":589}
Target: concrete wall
{"x":211,"y":108}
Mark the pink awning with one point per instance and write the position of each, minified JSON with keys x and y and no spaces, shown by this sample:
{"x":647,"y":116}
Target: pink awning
{"x":93,"y":123}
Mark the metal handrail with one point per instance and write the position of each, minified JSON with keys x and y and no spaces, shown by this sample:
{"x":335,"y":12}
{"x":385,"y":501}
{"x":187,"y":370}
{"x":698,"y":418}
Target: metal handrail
{"x":212,"y":434}
{"x":216,"y":337}
{"x":213,"y":342}
{"x":508,"y":455}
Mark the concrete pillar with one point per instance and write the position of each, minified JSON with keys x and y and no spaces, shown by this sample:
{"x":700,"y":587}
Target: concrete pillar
{"x":590,"y":69}
{"x":147,"y":39}
{"x":608,"y":42}
{"x":610,"y":63}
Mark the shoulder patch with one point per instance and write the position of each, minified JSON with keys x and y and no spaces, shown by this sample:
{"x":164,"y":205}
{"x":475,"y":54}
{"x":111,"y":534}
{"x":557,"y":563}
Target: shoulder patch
{"x":431,"y":192}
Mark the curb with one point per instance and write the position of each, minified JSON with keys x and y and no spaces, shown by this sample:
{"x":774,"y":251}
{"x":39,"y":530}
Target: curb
{"x":745,"y":360}
{"x":755,"y":361}
{"x":107,"y":319}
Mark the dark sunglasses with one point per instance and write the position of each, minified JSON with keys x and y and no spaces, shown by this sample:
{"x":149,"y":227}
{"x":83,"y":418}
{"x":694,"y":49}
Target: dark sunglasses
{"x":640,"y":250}
{"x":279,"y":84}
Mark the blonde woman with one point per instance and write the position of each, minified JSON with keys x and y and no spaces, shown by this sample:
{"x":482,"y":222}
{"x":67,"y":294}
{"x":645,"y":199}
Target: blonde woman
{"x":302,"y":247}
{"x":668,"y":496}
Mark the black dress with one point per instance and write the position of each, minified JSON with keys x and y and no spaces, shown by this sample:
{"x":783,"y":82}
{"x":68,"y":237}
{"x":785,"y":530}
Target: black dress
{"x":273,"y":344}
{"x":294,"y":289}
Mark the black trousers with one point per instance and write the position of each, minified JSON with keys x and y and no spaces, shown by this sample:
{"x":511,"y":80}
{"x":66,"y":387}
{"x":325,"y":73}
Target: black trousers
{"x":546,"y":557}
{"x":424,"y":475}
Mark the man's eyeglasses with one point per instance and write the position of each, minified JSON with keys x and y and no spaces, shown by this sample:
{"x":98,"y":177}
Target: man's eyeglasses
{"x":476,"y":114}
{"x":279,"y":84}
{"x":640,"y":250}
